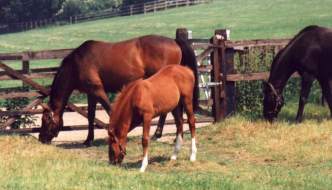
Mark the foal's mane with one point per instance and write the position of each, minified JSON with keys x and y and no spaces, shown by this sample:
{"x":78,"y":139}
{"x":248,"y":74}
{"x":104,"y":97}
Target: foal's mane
{"x":124,"y":91}
{"x":122,"y":100}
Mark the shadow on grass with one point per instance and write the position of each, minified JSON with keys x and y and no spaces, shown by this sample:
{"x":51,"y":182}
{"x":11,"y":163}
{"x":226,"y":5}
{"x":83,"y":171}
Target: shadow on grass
{"x":80,"y":145}
{"x":137,"y":164}
{"x":312,"y":112}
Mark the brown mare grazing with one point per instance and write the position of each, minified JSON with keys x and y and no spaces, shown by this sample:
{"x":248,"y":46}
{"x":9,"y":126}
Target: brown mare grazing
{"x":96,"y":67}
{"x":143,"y":100}
{"x":310,"y":54}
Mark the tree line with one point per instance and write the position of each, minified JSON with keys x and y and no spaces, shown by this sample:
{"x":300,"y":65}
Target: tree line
{"x":13,"y":11}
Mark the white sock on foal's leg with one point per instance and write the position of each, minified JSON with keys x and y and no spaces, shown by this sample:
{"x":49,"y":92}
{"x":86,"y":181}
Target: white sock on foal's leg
{"x":145,"y":163}
{"x":177,"y":147}
{"x":193,"y":150}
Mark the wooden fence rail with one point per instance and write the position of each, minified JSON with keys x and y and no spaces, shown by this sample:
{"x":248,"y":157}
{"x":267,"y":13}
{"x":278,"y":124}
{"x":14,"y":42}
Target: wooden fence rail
{"x":219,"y":50}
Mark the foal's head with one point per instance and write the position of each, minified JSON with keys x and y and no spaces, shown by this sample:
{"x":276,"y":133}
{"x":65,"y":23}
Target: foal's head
{"x":272,"y":102}
{"x":120,"y":122}
{"x":50,"y":125}
{"x":116,"y":151}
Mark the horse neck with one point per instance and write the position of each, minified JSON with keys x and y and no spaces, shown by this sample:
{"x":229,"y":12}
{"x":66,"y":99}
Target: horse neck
{"x":124,"y":119}
{"x":281,"y":71}
{"x":125,"y":116}
{"x":61,"y":89}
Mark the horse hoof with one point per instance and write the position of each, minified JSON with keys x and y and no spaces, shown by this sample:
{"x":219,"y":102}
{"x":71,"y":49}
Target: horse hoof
{"x":142,"y":170}
{"x":155,"y":137}
{"x":173,"y":157}
{"x":88,"y":143}
{"x":298,"y":121}
{"x":192,"y":158}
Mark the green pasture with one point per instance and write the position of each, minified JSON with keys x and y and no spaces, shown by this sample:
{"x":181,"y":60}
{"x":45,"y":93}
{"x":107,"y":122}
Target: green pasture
{"x":242,"y":152}
{"x":234,"y":154}
{"x":246,"y":19}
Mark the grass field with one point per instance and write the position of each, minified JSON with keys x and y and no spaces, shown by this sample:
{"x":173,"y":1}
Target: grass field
{"x":235,"y":154}
{"x":247,"y":20}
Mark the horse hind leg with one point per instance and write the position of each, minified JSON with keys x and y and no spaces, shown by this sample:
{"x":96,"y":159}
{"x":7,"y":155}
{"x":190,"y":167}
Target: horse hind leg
{"x":327,"y":92}
{"x":191,"y":120}
{"x":306,"y":84}
{"x":177,"y":114}
{"x":160,"y":127}
{"x":91,"y":117}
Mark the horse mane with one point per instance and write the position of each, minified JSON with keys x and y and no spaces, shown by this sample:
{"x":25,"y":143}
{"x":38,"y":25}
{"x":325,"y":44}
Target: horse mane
{"x":61,"y":82}
{"x":121,"y":100}
{"x":124,"y":91}
{"x":304,"y":30}
{"x":58,"y":75}
{"x":58,"y":78}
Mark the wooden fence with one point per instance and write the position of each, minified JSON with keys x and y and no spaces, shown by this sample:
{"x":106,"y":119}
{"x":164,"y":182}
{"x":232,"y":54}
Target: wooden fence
{"x":216,"y":58}
{"x":139,"y":8}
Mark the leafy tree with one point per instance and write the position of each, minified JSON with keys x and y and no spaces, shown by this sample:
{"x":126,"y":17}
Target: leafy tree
{"x":26,"y":10}
{"x":75,"y":7}
{"x":130,"y":2}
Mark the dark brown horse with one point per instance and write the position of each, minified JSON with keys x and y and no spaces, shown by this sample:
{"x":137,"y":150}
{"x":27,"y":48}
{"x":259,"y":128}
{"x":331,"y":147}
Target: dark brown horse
{"x":143,"y":100}
{"x":310,"y":54}
{"x":98,"y":67}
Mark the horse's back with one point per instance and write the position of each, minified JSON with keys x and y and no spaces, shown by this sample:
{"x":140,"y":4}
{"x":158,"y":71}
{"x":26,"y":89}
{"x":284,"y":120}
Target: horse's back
{"x":99,"y":62}
{"x":173,"y":80}
{"x":161,"y":92}
{"x":311,"y":50}
{"x":176,"y":73}
{"x":158,"y":51}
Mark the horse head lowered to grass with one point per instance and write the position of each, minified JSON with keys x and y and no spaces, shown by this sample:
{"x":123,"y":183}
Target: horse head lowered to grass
{"x":97,"y":67}
{"x":172,"y":89}
{"x":310,"y":54}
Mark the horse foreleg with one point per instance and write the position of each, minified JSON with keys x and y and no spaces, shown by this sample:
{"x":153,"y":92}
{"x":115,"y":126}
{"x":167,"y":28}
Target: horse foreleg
{"x":100,"y":96}
{"x":91,"y":117}
{"x":327,"y":92}
{"x":179,"y":131}
{"x":306,"y":84}
{"x":191,"y":120}
{"x":145,"y":140}
{"x":160,"y":127}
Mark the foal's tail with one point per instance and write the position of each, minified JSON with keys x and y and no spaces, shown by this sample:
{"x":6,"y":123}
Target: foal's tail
{"x":189,"y":59}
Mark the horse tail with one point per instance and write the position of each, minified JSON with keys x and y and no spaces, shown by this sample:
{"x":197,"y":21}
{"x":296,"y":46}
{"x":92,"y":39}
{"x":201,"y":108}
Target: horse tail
{"x":189,"y":59}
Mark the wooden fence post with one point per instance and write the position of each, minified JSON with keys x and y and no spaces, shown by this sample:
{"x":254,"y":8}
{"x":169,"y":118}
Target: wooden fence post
{"x":144,"y":8}
{"x":154,"y":7}
{"x":225,"y":60}
{"x":216,"y":78}
{"x":182,"y":33}
{"x":25,"y":67}
{"x":131,"y":10}
{"x":229,"y":85}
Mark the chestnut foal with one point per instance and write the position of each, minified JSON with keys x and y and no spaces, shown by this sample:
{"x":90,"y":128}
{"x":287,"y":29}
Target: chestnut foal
{"x":170,"y":89}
